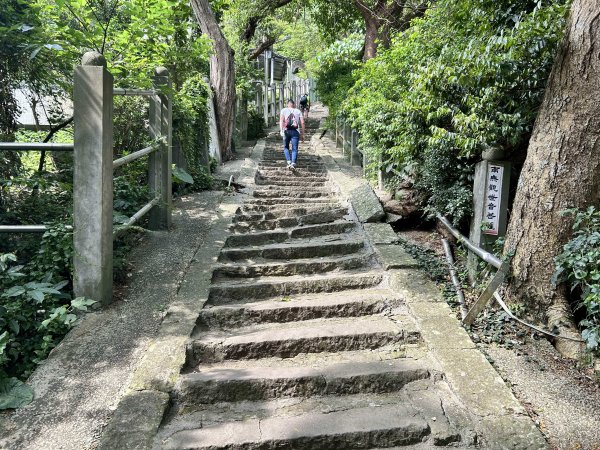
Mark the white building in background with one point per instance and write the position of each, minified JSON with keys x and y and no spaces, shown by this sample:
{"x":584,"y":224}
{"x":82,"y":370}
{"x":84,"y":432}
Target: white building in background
{"x":45,"y":109}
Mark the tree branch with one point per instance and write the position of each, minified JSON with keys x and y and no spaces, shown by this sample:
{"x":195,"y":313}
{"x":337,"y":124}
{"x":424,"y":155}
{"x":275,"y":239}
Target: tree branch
{"x":253,"y":21}
{"x":50,"y":135}
{"x":262,"y":47}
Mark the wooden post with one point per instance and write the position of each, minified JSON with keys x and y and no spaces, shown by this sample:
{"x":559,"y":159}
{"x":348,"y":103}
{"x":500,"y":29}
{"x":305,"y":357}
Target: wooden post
{"x":159,"y":163}
{"x":93,"y":179}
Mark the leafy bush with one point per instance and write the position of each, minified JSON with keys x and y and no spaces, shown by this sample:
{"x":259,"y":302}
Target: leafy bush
{"x":256,"y":125}
{"x":36,"y":309}
{"x":579,"y":265}
{"x":468,"y":76}
{"x":128,"y":197}
{"x":333,"y":69}
{"x":131,"y":127}
{"x":190,"y":123}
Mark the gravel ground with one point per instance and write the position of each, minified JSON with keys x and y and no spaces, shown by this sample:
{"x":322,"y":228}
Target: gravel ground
{"x":564,"y":401}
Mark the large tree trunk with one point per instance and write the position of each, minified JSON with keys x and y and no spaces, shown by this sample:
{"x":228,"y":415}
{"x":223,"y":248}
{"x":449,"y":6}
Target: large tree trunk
{"x":371,"y":38}
{"x":382,"y":19}
{"x":222,"y":75}
{"x":562,"y":170}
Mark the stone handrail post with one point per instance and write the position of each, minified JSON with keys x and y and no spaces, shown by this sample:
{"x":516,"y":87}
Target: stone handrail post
{"x":93,"y":179}
{"x":265,"y":103}
{"x":159,"y":165}
{"x":281,"y":96}
{"x":93,"y":173}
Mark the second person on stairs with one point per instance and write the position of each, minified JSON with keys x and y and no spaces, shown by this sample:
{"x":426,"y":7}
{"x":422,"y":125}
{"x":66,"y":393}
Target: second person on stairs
{"x":291,"y":126}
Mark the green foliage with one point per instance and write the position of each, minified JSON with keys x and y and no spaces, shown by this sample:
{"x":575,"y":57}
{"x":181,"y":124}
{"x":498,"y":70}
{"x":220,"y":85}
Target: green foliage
{"x":131,"y":130}
{"x":135,"y":36}
{"x":579,"y":265}
{"x":35,"y":308}
{"x":468,"y":76}
{"x":333,"y":69}
{"x":256,"y":125}
{"x":190,"y":123}
{"x":13,"y":392}
{"x":180,"y":175}
{"x":299,"y":36}
{"x":337,"y":18}
{"x":128,"y":197}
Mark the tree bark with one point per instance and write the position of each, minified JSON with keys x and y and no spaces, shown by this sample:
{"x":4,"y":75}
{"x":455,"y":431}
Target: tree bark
{"x":371,"y":37}
{"x":562,"y":170}
{"x":382,"y":19}
{"x":222,"y":75}
{"x":253,"y":21}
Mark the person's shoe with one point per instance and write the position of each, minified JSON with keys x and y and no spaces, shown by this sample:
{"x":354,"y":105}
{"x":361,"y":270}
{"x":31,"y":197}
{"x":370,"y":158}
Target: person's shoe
{"x":289,"y":165}
{"x":293,"y":166}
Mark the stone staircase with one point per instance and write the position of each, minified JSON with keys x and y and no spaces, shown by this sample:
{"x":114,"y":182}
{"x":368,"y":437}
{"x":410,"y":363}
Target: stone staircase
{"x":302,"y":345}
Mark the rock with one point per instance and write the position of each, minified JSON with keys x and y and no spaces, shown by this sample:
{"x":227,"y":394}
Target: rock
{"x":366,"y":204}
{"x":401,"y":208}
{"x":380,"y":233}
{"x":392,"y":218}
{"x":383,"y":196}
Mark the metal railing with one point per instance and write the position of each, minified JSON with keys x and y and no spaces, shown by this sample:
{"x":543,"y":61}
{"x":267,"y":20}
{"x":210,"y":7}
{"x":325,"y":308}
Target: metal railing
{"x":93,"y":230}
{"x":36,"y":147}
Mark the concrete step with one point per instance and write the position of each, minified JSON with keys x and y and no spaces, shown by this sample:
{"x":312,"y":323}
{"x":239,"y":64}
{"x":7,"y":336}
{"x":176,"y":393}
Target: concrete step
{"x":279,"y":213}
{"x":290,"y":182}
{"x":305,"y":266}
{"x":286,"y":340}
{"x":252,"y":381}
{"x":349,"y":303}
{"x":345,"y":429}
{"x":273,"y":237}
{"x":331,"y":215}
{"x":299,"y":173}
{"x":279,"y":162}
{"x":256,"y":208}
{"x":291,"y":177}
{"x":235,"y":292}
{"x":312,"y":247}
{"x":293,"y":188}
{"x":284,"y":201}
{"x":291,"y":193}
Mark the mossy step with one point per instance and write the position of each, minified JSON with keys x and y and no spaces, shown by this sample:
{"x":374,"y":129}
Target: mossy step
{"x":290,"y":339}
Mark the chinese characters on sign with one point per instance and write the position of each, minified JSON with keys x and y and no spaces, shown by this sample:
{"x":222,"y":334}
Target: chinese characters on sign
{"x":491,"y":210}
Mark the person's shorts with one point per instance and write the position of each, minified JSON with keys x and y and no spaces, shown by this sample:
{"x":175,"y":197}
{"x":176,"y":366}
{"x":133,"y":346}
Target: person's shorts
{"x":303,"y":107}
